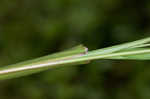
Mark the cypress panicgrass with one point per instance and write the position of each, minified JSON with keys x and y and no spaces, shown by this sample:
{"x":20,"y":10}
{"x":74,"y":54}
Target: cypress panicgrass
{"x":136,"y":50}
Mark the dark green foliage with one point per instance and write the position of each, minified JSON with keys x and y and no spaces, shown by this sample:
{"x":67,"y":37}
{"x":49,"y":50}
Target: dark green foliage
{"x":33,"y":28}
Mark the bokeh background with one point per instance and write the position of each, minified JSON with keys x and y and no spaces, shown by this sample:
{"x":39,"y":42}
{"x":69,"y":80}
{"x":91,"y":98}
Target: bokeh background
{"x":34,"y":28}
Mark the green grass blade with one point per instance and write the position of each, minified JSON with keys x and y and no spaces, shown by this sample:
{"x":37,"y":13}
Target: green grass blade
{"x":142,"y":56}
{"x":40,"y":64}
{"x":104,"y":56}
{"x":120,"y":47}
{"x":78,"y":55}
{"x":141,"y":46}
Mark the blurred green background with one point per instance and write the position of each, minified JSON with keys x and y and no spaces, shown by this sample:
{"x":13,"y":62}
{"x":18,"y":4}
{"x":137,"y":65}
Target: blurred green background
{"x":34,"y":28}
